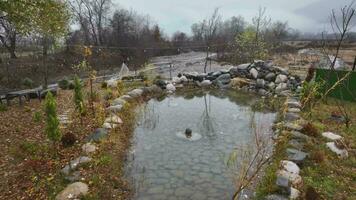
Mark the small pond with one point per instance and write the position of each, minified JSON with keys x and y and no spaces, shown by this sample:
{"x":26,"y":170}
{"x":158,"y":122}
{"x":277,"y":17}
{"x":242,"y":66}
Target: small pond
{"x":165,"y":164}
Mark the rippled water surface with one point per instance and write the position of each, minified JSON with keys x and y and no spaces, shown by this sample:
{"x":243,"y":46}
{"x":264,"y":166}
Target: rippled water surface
{"x":164,"y":165}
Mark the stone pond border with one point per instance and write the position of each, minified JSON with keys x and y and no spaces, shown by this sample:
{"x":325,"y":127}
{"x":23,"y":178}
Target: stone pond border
{"x":258,"y":77}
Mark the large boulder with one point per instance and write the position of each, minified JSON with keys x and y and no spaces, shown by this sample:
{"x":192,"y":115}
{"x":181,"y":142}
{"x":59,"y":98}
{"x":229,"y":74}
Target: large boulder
{"x":73,"y":191}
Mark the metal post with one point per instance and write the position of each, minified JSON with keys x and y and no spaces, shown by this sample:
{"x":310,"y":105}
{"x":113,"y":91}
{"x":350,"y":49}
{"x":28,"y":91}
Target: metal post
{"x":353,"y":68}
{"x":170,"y":71}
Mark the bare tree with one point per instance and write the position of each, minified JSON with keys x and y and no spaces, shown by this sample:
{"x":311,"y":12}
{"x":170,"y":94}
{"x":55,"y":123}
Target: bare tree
{"x":209,"y":30}
{"x":91,"y":14}
{"x":8,"y":36}
{"x":260,"y":22}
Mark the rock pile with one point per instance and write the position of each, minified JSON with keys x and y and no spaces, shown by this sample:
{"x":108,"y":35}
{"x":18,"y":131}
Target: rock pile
{"x":259,"y":76}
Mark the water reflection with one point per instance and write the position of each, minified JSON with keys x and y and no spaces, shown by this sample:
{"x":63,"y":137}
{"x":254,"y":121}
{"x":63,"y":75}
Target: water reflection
{"x":164,"y":166}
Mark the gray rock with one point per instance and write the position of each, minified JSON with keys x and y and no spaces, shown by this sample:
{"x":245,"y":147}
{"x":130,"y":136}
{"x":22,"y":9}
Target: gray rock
{"x":296,"y":155}
{"x":75,"y":176}
{"x":135,"y":93}
{"x":281,"y":78}
{"x":154,"y":89}
{"x":73,"y":191}
{"x":98,"y":135}
{"x":276,"y":197}
{"x":260,"y":83}
{"x":217,"y":73}
{"x":292,"y":126}
{"x":205,"y":83}
{"x":296,"y":144}
{"x":118,"y":101}
{"x":271,"y":86}
{"x":342,"y":153}
{"x":299,"y":135}
{"x":107,"y":125}
{"x":270,"y":77}
{"x":293,"y":104}
{"x":290,"y":166}
{"x":294,"y":110}
{"x":88,"y":148}
{"x":290,"y":117}
{"x":170,"y":87}
{"x":115,"y":109}
{"x":262,"y":92}
{"x":243,"y":66}
{"x":224,"y":79}
{"x":294,"y":193}
{"x":74,"y":164}
{"x":113,"y":119}
{"x":281,"y":87}
{"x":254,"y":73}
{"x":294,"y":180}
{"x":126,"y":97}
{"x":331,"y":136}
{"x":283,"y":182}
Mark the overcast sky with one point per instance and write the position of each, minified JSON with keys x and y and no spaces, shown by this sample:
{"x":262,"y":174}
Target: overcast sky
{"x":173,"y":15}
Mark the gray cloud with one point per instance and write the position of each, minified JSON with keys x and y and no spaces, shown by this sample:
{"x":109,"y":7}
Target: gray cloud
{"x":173,"y":15}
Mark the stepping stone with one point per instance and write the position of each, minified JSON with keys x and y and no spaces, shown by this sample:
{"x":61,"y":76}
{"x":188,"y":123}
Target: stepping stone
{"x":293,"y":179}
{"x":88,"y":148}
{"x":300,"y":136}
{"x":290,"y":166}
{"x":331,"y":136}
{"x":292,"y":126}
{"x":290,"y":117}
{"x":73,"y":191}
{"x":116,"y":108}
{"x":74,"y":164}
{"x":296,"y":155}
{"x":97,"y":136}
{"x":276,"y":197}
{"x":342,"y":153}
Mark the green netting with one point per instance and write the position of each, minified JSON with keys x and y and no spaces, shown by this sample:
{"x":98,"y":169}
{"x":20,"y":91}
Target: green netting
{"x":344,"y":91}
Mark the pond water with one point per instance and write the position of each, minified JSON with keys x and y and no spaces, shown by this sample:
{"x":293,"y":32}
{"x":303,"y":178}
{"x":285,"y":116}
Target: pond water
{"x":165,"y":164}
